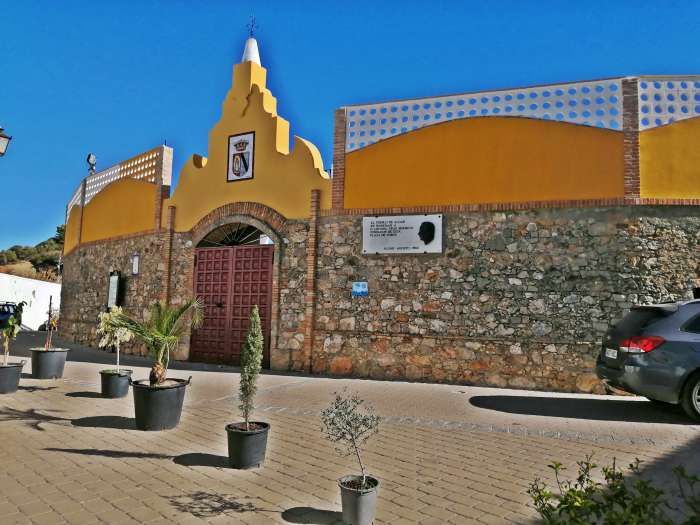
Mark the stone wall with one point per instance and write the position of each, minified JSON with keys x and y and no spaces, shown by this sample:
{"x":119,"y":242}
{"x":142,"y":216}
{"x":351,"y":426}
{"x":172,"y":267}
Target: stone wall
{"x":86,"y":270}
{"x":86,"y":278}
{"x":518,"y":299}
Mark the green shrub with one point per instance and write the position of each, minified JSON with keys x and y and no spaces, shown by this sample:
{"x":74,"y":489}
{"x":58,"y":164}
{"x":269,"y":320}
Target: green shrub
{"x":111,"y":334}
{"x":618,"y":500}
{"x":251,"y":362}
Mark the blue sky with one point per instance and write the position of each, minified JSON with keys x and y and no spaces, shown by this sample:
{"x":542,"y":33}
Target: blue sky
{"x":118,"y":78}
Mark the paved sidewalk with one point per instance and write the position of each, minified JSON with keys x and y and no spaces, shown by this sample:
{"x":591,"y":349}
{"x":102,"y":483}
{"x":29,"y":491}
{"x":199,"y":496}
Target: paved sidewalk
{"x":445,"y":454}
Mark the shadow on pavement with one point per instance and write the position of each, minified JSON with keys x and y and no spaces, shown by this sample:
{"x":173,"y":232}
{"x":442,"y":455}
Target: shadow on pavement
{"x":89,"y":395}
{"x":30,"y":417}
{"x":109,"y":453}
{"x":210,"y":504}
{"x":35,"y":388}
{"x":311,"y":515}
{"x":117,"y":422}
{"x":197,"y":459}
{"x":583,"y":408}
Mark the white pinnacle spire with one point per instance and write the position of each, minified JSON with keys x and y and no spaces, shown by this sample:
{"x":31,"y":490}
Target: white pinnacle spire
{"x":250,"y":53}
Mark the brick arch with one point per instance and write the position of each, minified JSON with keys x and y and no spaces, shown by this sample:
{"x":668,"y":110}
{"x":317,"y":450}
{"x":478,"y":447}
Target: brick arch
{"x":236,"y":212}
{"x":265,"y":219}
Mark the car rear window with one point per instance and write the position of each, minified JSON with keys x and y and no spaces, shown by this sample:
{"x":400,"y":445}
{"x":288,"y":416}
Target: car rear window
{"x":693,"y":325}
{"x":636,"y":321}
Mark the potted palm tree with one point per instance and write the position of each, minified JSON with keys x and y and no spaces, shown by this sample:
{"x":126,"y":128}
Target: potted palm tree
{"x":247,"y":440}
{"x":158,"y":399}
{"x":48,"y":362}
{"x":115,"y":382}
{"x":10,"y":372}
{"x":349,"y":428}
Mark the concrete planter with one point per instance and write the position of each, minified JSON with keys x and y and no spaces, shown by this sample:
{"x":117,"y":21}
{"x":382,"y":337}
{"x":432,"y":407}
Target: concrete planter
{"x":9,"y":377}
{"x":115,"y":384}
{"x":359,"y":505}
{"x":48,"y":364}
{"x":158,"y":407}
{"x":246,"y":448}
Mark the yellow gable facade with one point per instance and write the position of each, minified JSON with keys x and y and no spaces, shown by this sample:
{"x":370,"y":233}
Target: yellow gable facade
{"x":278,"y":178}
{"x":265,"y":171}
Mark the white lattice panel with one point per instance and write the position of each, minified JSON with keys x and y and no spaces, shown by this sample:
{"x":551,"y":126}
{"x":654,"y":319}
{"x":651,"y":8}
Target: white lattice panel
{"x":668,"y":99}
{"x":142,"y":167}
{"x":73,"y":201}
{"x":145,"y":167}
{"x":595,"y":103}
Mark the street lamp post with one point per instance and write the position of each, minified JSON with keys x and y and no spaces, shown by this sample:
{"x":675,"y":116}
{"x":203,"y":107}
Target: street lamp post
{"x":4,"y":141}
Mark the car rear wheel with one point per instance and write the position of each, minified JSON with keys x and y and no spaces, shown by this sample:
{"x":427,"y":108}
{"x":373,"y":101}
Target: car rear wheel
{"x":690,"y":397}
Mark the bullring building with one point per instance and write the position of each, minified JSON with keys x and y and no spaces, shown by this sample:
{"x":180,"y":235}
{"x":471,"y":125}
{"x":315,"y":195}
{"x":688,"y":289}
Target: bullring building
{"x":480,"y":238}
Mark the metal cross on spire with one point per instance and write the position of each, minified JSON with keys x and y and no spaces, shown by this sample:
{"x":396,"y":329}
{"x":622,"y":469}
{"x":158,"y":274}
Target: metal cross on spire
{"x":252,"y":26}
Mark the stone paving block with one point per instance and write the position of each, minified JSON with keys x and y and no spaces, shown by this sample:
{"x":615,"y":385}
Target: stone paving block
{"x":48,"y":518}
{"x":456,"y":473}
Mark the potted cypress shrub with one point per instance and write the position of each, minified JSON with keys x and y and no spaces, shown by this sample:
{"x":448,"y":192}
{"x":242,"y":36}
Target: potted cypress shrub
{"x":10,"y":372}
{"x":349,"y":429}
{"x":247,"y":440}
{"x":49,"y":362}
{"x":158,"y":399}
{"x":115,"y":382}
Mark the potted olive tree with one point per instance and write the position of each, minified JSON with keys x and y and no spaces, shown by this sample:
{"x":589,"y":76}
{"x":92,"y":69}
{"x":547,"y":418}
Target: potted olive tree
{"x":10,"y":372}
{"x":49,"y":362}
{"x":115,"y":382}
{"x":349,"y":428}
{"x":158,"y":399}
{"x":247,"y":440}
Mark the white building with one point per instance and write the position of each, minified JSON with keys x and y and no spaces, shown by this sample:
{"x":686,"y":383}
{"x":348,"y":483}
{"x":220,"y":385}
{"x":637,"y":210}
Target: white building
{"x":35,"y":293}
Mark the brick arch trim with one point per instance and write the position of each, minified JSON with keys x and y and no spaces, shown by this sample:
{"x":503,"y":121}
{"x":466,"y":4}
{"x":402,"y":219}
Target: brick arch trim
{"x":274,"y":221}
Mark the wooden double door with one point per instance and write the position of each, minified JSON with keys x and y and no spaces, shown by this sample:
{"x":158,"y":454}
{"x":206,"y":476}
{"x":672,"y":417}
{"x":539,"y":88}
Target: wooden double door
{"x":229,"y":281}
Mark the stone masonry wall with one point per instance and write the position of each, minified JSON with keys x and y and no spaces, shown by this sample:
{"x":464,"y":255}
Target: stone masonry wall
{"x":85,"y":284}
{"x":517,"y":299}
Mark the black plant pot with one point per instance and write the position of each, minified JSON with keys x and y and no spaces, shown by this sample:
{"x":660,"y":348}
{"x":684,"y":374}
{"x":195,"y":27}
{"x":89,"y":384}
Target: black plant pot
{"x":115,"y":384}
{"x":9,"y":377}
{"x":359,"y":505}
{"x":48,"y":364}
{"x":246,"y":448}
{"x":158,"y":407}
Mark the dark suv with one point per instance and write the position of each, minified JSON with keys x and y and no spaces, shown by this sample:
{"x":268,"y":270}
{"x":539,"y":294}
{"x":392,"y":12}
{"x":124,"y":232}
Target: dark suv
{"x":655,"y":352}
{"x":7,"y":310}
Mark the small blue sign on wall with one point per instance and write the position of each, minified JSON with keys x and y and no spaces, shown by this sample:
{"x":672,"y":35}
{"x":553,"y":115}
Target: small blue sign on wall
{"x":360,"y":289}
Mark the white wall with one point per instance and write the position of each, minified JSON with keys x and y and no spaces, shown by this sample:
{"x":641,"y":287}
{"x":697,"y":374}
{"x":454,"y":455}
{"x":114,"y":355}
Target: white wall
{"x":36,"y":293}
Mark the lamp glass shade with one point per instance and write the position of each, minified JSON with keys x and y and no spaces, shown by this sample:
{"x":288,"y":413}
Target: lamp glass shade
{"x":4,"y":142}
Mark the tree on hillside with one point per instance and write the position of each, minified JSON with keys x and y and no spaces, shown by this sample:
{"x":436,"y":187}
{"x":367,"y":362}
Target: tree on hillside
{"x":60,"y":234}
{"x":44,"y":257}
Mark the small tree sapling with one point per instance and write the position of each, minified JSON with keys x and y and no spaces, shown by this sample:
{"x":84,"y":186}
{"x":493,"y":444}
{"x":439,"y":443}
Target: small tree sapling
{"x":251,"y":362}
{"x":110,"y":333}
{"x":349,"y":428}
{"x":11,"y":329}
{"x":161,"y":333}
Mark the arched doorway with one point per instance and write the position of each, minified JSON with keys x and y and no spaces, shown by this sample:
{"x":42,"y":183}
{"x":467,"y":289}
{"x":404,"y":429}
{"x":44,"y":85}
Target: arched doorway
{"x":233,"y":270}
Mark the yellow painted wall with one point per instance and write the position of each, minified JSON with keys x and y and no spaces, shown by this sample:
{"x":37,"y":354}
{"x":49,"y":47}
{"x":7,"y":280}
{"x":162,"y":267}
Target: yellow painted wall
{"x":669,"y":161}
{"x":121,"y":208}
{"x":282,"y":180}
{"x":72,"y":229}
{"x":486,"y":160}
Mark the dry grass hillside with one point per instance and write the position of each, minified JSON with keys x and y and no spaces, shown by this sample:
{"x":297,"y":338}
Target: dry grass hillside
{"x":26,"y":269}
